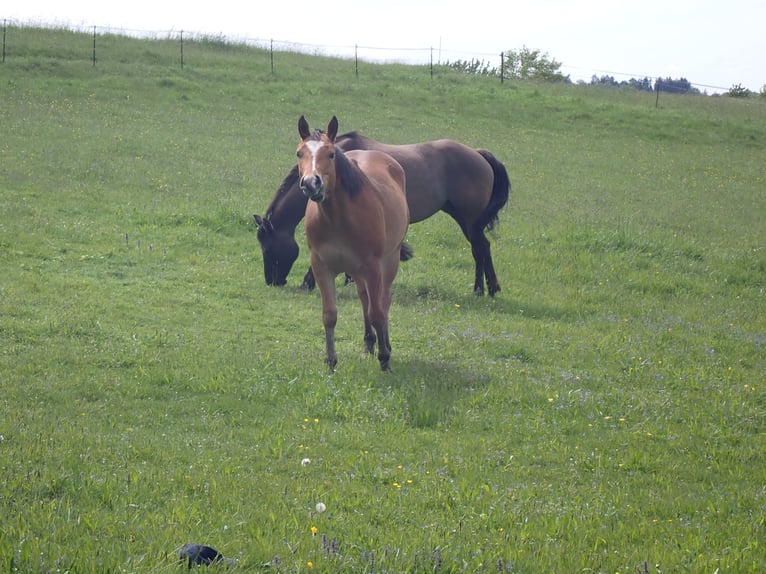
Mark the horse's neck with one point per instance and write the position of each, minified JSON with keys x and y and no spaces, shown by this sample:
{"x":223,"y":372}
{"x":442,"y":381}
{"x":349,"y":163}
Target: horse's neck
{"x":289,"y":207}
{"x":343,"y":207}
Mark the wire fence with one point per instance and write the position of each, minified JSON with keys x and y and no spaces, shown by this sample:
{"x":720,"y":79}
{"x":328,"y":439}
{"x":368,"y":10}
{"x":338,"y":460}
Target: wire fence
{"x":419,"y":56}
{"x":416,"y":56}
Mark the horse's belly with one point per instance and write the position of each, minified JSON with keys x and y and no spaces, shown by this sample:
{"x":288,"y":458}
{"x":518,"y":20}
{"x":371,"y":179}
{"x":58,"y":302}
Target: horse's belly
{"x":338,"y":257}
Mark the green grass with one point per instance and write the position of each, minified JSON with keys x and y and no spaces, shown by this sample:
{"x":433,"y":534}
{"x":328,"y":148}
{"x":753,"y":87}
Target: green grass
{"x":605,"y":413}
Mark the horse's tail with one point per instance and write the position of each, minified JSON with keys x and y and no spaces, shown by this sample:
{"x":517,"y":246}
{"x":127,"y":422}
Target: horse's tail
{"x":405,"y":252}
{"x":501,"y":189}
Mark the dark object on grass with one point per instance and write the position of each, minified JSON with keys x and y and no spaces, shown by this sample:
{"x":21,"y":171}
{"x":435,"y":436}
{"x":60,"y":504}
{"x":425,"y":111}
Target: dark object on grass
{"x":201,"y":555}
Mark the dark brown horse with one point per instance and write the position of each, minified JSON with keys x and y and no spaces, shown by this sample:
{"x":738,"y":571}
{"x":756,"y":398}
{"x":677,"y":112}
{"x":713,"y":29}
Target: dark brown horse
{"x":356,"y":220}
{"x":470,"y":185}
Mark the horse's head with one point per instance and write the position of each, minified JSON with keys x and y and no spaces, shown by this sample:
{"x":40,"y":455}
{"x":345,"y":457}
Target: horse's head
{"x":316,"y":159}
{"x":279,"y":248}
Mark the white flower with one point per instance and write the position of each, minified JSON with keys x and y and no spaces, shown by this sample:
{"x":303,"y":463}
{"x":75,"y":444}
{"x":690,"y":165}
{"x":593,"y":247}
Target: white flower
{"x":306,"y":462}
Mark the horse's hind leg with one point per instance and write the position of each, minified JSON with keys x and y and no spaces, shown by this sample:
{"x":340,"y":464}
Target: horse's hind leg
{"x":493,"y":285}
{"x":369,"y":334}
{"x":377,"y":316}
{"x":482,"y":254}
{"x":479,"y":249}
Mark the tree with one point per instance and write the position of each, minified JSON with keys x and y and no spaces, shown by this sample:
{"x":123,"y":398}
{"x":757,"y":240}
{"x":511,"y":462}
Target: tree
{"x":738,"y":91}
{"x":603,"y":81}
{"x":527,"y":64}
{"x":524,"y":64}
{"x":643,"y":84}
{"x":473,"y":67}
{"x":679,"y":86}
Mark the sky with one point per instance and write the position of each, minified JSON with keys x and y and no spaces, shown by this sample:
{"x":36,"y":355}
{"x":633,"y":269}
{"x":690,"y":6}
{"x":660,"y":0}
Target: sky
{"x":713,"y":44}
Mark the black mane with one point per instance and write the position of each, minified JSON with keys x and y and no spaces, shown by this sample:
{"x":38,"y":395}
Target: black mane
{"x":347,"y":171}
{"x":287,"y":189}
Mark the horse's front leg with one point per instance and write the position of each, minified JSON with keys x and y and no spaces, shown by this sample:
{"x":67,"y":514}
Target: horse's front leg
{"x":308,"y":281}
{"x":326,"y":283}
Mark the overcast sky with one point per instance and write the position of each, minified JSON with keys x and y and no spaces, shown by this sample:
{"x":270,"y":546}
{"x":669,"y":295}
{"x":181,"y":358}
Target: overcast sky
{"x":708,"y":42}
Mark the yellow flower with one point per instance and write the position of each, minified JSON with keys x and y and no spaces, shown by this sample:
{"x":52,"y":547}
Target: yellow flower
{"x":314,"y":530}
{"x":310,"y":564}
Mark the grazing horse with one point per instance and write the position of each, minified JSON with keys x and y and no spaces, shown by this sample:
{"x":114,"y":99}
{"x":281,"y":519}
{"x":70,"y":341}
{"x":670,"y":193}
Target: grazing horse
{"x":356,"y":221}
{"x":468,"y":184}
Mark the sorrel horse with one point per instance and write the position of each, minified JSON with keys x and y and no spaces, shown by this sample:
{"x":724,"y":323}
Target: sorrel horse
{"x":356,"y":220}
{"x":470,"y":185}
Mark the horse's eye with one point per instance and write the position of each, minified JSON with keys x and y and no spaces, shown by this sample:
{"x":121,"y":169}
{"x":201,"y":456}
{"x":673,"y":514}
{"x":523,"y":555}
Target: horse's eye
{"x":298,"y":154}
{"x":332,"y":155}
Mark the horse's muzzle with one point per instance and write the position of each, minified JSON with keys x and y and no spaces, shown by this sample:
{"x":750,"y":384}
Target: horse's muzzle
{"x":312,"y":187}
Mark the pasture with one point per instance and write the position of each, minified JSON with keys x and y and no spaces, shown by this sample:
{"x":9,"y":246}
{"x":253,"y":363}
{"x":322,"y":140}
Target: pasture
{"x":605,"y":412}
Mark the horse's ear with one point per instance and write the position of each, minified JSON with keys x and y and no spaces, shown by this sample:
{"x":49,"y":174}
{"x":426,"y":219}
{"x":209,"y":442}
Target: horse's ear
{"x":303,"y":128}
{"x":264,"y":223}
{"x":332,"y":129}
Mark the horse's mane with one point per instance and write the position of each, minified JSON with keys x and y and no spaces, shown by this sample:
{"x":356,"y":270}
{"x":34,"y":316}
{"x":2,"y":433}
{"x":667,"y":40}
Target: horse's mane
{"x":283,"y":191}
{"x":346,"y":170}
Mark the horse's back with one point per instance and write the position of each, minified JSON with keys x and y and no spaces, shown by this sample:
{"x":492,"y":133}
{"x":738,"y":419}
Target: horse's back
{"x":379,"y":164}
{"x":388,"y":179}
{"x":438,"y":172}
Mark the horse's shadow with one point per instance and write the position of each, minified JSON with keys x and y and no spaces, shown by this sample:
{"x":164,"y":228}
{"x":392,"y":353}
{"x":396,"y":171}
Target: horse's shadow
{"x":431,"y":390}
{"x":411,"y":295}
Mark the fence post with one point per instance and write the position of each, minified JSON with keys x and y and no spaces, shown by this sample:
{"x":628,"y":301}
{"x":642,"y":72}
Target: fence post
{"x":356,"y":60}
{"x":182,"y":50}
{"x":271,"y":53}
{"x":432,"y":62}
{"x":94,"y":45}
{"x":657,"y":86}
{"x":502,"y":67}
{"x":5,"y":26}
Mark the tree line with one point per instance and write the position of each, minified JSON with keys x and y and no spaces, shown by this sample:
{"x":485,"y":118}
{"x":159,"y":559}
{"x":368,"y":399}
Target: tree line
{"x":529,"y":64}
{"x":671,"y":85}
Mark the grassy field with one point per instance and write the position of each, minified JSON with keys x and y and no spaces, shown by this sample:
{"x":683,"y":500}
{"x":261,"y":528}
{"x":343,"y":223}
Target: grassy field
{"x":604,"y":413}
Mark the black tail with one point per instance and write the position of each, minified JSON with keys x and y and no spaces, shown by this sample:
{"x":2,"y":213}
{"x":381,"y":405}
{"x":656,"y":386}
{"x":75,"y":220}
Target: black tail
{"x":405,"y":252}
{"x":501,"y":189}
